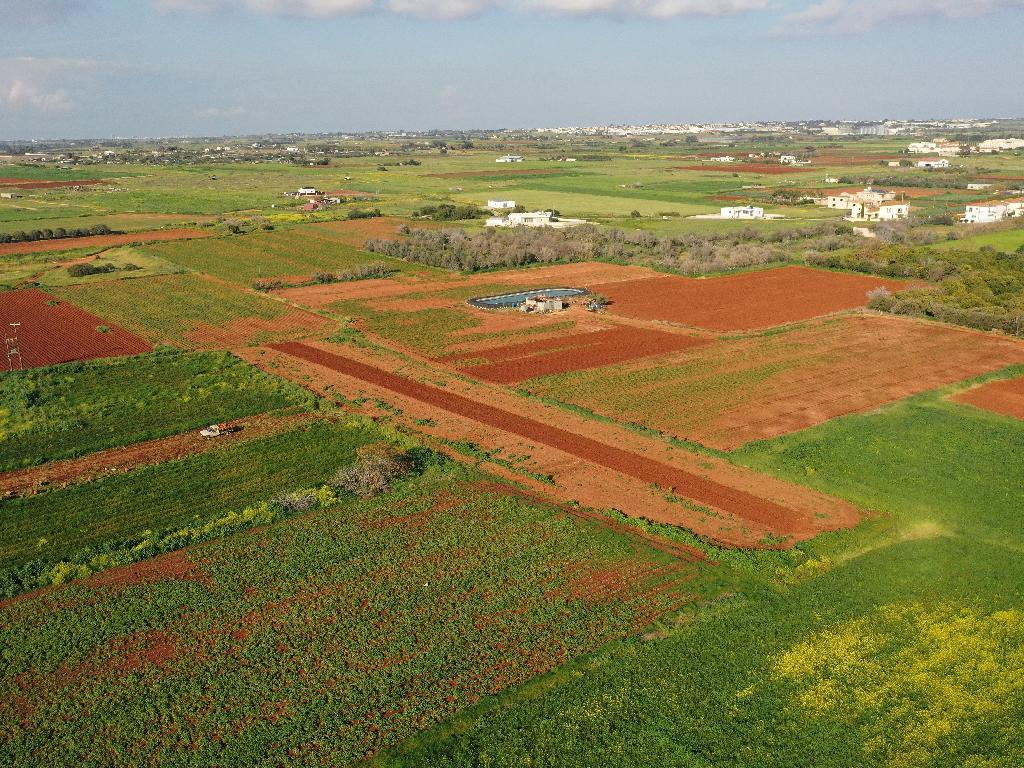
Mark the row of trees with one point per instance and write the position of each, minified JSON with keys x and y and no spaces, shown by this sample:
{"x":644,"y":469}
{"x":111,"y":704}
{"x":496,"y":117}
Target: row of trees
{"x":53,"y":234}
{"x":688,"y":254}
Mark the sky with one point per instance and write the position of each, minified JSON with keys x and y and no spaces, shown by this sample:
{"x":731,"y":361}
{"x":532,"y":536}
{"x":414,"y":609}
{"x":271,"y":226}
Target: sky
{"x":134,"y":68}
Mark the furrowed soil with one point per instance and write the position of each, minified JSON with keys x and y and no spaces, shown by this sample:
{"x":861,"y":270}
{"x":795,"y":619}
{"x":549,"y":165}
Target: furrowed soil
{"x":10,"y":183}
{"x":1002,"y":397}
{"x":518,"y":362}
{"x":757,"y":514}
{"x":101,"y":241}
{"x":746,"y":301}
{"x":55,"y":331}
{"x":739,"y":390}
{"x":765,"y":168}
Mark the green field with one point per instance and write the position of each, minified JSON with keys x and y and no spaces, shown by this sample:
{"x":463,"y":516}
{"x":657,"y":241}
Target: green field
{"x":168,"y":307}
{"x":294,"y":253}
{"x":61,"y":523}
{"x":900,"y":643}
{"x":73,"y":409}
{"x":319,"y":640}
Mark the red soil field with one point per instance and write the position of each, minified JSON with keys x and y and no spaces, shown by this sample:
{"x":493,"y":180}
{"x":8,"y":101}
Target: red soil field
{"x":760,"y":387}
{"x":746,"y":301}
{"x":703,"y":490}
{"x":62,"y":332}
{"x":1002,"y":397}
{"x":496,"y":172}
{"x":101,"y":241}
{"x":518,"y":362}
{"x":766,"y":168}
{"x":30,"y":184}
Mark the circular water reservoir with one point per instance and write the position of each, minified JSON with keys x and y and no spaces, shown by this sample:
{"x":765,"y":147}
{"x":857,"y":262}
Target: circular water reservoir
{"x":513,"y":300}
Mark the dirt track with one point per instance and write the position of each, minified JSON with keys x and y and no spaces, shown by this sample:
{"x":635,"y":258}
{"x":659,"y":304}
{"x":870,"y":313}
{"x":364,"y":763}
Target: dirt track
{"x":703,"y":490}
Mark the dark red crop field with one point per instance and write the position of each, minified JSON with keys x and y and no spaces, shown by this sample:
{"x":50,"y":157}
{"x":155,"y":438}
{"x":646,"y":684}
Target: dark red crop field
{"x":53,"y":331}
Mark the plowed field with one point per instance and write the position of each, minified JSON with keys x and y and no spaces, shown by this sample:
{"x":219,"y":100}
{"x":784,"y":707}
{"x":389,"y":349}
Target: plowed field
{"x":518,"y":362}
{"x":771,"y":169}
{"x":737,"y":391}
{"x":53,"y":331}
{"x":1003,"y":397}
{"x":741,"y":504}
{"x":745,"y":301}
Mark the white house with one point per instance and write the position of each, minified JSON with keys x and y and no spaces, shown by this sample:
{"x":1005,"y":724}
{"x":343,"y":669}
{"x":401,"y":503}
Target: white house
{"x":1000,"y":145}
{"x":743,"y":212}
{"x":309,"y":191}
{"x":533,"y":219}
{"x":922,"y":147}
{"x":948,"y":149}
{"x":788,"y":159}
{"x":510,"y":159}
{"x":930,"y":164}
{"x":500,"y":205}
{"x":994,"y":210}
{"x":884,"y":212}
{"x":978,"y":186}
{"x":893,"y":163}
{"x":723,"y":159}
{"x":831,"y":180}
{"x":893,"y":211}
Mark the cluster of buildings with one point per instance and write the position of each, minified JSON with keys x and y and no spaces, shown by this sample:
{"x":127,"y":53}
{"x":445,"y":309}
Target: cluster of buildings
{"x":955,"y":148}
{"x":869,"y":204}
{"x":317,"y":200}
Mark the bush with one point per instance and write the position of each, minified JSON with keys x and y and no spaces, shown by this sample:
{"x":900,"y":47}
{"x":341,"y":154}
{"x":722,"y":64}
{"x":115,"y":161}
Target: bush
{"x":82,"y":270}
{"x":376,"y":467}
{"x":266,"y":284}
{"x":358,"y":214}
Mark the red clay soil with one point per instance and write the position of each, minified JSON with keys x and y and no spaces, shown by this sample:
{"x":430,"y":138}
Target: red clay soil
{"x":296,"y":324}
{"x":101,"y":241}
{"x":62,"y":332}
{"x":766,"y":168}
{"x":496,"y":172}
{"x":518,"y":362}
{"x":23,"y":482}
{"x":746,"y":301}
{"x":30,"y":184}
{"x":1002,"y":397}
{"x":700,"y":489}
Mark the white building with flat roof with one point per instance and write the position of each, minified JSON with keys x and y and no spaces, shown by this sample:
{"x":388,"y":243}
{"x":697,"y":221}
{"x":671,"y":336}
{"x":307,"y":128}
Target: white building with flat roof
{"x":742,"y":212}
{"x":1000,"y":145}
{"x":500,"y":205}
{"x":933,"y":163}
{"x":994,"y":210}
{"x":510,"y":159}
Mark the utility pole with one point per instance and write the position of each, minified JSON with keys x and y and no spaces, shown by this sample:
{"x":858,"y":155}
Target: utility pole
{"x":14,"y":362}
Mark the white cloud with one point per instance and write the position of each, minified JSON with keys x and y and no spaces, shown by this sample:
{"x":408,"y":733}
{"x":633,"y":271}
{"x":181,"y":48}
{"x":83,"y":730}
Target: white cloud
{"x":461,"y":9}
{"x":862,"y":15}
{"x":40,"y":85}
{"x":216,"y":113}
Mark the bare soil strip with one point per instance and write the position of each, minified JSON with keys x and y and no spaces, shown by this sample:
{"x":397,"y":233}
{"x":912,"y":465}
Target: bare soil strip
{"x":31,"y":480}
{"x":101,"y":241}
{"x":518,"y":362}
{"x":700,"y":489}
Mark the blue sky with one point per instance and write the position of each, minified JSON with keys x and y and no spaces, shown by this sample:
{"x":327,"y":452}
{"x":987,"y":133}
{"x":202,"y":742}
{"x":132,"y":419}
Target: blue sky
{"x":93,"y":68}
